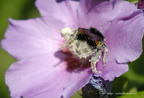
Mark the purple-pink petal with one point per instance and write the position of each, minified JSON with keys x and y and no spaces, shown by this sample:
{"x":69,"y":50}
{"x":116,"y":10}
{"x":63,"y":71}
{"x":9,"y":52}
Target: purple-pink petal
{"x":124,"y":36}
{"x":98,"y":13}
{"x":32,"y":37}
{"x":77,"y":80}
{"x":35,"y":77}
{"x":111,"y":70}
{"x":65,"y":10}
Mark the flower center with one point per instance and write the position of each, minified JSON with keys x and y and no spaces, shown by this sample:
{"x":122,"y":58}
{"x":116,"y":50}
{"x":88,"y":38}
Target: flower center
{"x":74,"y":63}
{"x":86,"y":44}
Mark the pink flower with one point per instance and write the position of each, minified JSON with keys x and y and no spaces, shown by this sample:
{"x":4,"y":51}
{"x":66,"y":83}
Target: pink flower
{"x":42,"y":71}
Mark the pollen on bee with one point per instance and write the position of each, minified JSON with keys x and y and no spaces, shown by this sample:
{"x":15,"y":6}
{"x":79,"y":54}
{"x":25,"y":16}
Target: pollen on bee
{"x":98,"y":43}
{"x":66,"y":32}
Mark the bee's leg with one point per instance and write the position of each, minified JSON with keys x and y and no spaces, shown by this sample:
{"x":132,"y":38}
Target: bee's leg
{"x":64,"y":45}
{"x":105,"y":54}
{"x":94,"y":59}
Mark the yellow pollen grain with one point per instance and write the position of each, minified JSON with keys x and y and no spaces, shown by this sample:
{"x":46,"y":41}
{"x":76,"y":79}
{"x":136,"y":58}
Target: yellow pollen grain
{"x":98,"y":43}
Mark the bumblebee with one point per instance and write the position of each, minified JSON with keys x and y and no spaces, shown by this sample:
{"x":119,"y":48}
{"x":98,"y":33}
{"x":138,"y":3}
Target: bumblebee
{"x":86,"y":43}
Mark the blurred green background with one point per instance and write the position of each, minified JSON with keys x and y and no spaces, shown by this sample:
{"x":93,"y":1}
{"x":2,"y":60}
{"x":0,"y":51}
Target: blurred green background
{"x":131,"y":82}
{"x":16,"y":9}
